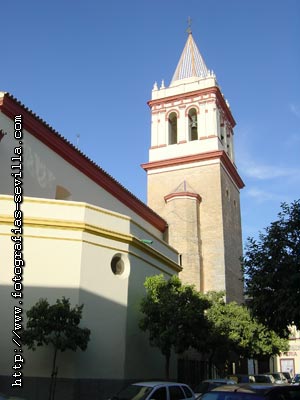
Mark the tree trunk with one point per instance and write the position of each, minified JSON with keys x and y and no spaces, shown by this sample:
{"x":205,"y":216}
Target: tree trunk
{"x":53,"y":375}
{"x":167,"y":367}
{"x":210,"y":364}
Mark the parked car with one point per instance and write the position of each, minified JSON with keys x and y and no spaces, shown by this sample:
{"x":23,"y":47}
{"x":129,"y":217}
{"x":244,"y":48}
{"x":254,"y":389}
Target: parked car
{"x":242,"y":378}
{"x":155,"y":391}
{"x":254,"y":391}
{"x":288,"y":376}
{"x":296,"y":380}
{"x":264,"y":378}
{"x":209,"y":384}
{"x":258,"y":378}
{"x":280,"y":379}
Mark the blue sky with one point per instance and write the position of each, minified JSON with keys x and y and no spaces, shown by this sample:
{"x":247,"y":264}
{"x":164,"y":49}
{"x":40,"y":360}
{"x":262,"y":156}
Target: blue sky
{"x":88,"y":68}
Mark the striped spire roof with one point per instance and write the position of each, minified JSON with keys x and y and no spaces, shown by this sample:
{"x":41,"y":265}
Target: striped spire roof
{"x":191,"y":63}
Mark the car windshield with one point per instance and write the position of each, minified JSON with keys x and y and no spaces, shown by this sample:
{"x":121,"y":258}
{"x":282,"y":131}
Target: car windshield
{"x":133,"y":392}
{"x":277,"y":376}
{"x":204,"y":387}
{"x":263,"y":378}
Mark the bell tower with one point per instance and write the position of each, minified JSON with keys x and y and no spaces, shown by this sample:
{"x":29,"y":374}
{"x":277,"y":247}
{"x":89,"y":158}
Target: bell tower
{"x":192,"y":178}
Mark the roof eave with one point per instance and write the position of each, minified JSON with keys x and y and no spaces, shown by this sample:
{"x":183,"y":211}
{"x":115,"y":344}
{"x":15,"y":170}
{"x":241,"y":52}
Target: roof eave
{"x":11,"y":107}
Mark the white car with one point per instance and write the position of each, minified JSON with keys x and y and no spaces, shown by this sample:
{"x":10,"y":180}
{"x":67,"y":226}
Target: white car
{"x":155,"y":391}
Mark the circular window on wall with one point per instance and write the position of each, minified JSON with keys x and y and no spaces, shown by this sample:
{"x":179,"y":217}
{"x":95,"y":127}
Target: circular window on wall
{"x":120,"y":265}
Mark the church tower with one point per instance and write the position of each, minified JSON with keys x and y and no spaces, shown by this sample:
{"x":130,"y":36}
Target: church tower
{"x":193,"y":182}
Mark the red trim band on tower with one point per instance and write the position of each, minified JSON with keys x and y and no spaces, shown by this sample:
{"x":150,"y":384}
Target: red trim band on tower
{"x":213,"y":155}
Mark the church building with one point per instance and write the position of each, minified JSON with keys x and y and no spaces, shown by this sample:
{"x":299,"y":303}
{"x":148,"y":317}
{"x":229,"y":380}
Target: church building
{"x":86,"y":237}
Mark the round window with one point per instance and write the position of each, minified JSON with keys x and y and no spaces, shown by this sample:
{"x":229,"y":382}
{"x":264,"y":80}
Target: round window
{"x":120,"y":265}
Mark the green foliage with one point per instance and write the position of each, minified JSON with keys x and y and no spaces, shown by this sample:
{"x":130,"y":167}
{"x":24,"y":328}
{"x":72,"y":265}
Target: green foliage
{"x":272,"y":271}
{"x":173,"y":315}
{"x":55,"y":324}
{"x":177,"y":317}
{"x":233,"y":327}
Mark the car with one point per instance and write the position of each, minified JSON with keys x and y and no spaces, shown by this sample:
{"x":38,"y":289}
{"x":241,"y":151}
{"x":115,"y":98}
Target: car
{"x":155,"y":390}
{"x":208,"y":384}
{"x":280,"y":379}
{"x":288,"y":376}
{"x":253,"y":391}
{"x":296,"y":380}
{"x":242,"y":378}
{"x":264,"y":378}
{"x":258,"y":378}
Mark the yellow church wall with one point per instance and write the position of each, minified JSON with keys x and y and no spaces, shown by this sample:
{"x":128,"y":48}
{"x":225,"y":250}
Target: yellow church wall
{"x":68,"y":249}
{"x":141,"y":360}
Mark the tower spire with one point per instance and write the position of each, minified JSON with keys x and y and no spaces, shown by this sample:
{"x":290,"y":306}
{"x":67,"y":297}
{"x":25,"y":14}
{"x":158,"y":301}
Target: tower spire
{"x":191,"y":63}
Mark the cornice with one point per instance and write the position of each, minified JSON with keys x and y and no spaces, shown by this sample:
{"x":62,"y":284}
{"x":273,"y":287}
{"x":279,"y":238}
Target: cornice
{"x":176,"y":195}
{"x":94,"y":230}
{"x":212,"y":90}
{"x":213,"y":155}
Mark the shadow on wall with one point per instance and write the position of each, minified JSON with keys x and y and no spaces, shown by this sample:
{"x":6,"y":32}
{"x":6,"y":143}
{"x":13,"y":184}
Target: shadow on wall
{"x":142,"y":360}
{"x":95,"y":373}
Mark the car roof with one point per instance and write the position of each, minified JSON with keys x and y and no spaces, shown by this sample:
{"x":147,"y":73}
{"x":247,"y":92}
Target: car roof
{"x":157,"y":383}
{"x":218,"y":380}
{"x":244,"y":387}
{"x":251,"y":387}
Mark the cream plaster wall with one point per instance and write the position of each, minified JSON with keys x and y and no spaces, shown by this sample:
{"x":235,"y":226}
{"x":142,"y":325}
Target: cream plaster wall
{"x":182,"y":149}
{"x":68,"y":247}
{"x":214,"y":130}
{"x":44,"y":170}
{"x":142,"y":360}
{"x":184,"y":86}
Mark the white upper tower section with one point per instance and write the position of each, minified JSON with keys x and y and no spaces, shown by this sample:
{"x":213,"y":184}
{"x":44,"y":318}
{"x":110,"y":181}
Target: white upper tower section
{"x":190,"y":116}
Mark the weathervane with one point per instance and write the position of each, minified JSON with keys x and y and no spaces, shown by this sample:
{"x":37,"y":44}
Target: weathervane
{"x":189,"y":29}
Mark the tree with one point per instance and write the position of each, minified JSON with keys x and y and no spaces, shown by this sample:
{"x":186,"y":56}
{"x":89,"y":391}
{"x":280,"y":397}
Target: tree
{"x":234,"y":329}
{"x":56,"y":325}
{"x":272,"y":271}
{"x":173,"y":314}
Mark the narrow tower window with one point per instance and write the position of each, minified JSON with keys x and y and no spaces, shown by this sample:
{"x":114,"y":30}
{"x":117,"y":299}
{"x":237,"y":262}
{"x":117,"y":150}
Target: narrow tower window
{"x":172,"y":128}
{"x":193,"y":124}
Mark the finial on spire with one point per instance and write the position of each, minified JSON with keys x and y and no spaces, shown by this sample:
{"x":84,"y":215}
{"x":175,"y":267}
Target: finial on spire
{"x":189,"y":28}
